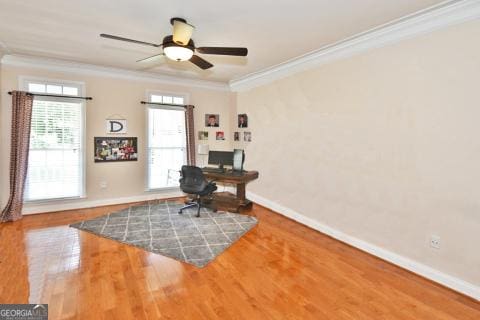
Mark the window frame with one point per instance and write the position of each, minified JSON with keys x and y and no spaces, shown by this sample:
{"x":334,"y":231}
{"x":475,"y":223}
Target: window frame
{"x":148,"y":95}
{"x":24,"y":81}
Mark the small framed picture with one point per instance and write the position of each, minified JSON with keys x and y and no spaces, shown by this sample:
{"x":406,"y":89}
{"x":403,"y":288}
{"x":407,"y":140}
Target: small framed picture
{"x":212,"y":120}
{"x":202,"y":135}
{"x":247,"y":136}
{"x":236,"y":136}
{"x":242,"y":120}
{"x":220,"y":135}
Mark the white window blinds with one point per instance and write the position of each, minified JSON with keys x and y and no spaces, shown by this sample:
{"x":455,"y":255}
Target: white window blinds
{"x":56,"y":156}
{"x":166,"y":142}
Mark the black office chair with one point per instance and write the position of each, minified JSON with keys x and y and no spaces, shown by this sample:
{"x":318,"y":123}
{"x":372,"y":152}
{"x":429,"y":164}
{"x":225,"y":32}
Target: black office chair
{"x":193,"y":182}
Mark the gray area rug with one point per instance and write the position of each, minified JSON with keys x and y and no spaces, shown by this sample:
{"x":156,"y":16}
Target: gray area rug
{"x":157,"y":227}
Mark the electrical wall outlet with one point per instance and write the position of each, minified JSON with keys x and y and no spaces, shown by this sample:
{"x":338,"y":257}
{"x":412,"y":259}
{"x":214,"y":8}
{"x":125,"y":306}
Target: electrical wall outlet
{"x":103,"y":184}
{"x":435,"y":242}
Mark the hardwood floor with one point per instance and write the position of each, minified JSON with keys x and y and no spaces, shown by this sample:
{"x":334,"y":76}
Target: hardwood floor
{"x":279,"y":270}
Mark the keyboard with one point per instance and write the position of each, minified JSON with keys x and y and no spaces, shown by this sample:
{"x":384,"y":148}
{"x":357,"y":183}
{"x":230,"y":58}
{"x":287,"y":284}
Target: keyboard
{"x":226,"y":172}
{"x":213,"y":170}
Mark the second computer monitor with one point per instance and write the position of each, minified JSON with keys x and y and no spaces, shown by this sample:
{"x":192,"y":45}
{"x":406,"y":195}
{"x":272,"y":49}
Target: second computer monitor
{"x":238,"y":159}
{"x":220,"y":158}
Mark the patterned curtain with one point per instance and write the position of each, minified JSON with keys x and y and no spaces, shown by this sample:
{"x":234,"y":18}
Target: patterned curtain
{"x":22,"y":104}
{"x":190,"y":131}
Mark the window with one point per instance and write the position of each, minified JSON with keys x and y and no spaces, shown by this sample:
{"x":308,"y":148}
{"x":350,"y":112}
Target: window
{"x":56,"y":156}
{"x":166,"y":141}
{"x":53,"y":89}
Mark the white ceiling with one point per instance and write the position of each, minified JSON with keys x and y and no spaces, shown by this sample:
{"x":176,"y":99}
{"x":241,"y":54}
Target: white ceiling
{"x":273,"y":30}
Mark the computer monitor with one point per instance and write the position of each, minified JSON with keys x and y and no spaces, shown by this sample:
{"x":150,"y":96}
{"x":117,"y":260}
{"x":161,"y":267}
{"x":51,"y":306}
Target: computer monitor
{"x":220,"y":158}
{"x":238,"y":160}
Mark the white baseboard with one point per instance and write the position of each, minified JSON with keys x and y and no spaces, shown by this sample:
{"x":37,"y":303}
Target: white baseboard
{"x":449,"y":281}
{"x":85,"y":203}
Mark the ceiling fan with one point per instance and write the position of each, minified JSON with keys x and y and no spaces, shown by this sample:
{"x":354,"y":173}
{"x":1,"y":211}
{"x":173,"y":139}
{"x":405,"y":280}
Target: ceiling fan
{"x":180,"y":47}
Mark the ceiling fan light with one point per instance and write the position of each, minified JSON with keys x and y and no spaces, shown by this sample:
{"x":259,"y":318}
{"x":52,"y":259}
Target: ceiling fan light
{"x":177,"y":53}
{"x":182,"y":32}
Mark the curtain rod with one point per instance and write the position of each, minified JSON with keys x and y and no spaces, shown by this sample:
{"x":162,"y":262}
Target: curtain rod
{"x":165,"y":104}
{"x":54,"y":96}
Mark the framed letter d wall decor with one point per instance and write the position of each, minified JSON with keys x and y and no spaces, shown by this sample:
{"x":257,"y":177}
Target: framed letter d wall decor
{"x":116,"y":126}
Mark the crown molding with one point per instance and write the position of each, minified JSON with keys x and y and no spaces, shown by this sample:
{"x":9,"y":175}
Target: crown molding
{"x":443,"y":15}
{"x":95,"y":70}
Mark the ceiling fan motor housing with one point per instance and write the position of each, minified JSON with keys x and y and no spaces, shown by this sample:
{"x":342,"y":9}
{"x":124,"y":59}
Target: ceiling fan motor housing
{"x":168,"y":42}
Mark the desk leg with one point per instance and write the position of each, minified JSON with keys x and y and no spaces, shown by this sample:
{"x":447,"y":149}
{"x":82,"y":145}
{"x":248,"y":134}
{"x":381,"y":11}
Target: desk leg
{"x":241,"y":192}
{"x":244,"y":203}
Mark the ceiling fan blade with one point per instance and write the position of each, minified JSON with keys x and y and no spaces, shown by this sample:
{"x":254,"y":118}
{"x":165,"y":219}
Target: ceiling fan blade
{"x":182,"y":31}
{"x":148,"y":59}
{"x":201,"y":63}
{"x":223,"y":51}
{"x":109,"y":36}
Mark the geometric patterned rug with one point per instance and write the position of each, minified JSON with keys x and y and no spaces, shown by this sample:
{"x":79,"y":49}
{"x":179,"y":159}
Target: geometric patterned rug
{"x":157,"y":227}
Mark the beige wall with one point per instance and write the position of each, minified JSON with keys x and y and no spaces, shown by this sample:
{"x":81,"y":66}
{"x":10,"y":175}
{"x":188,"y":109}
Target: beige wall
{"x":110,"y":97}
{"x":383,"y":146}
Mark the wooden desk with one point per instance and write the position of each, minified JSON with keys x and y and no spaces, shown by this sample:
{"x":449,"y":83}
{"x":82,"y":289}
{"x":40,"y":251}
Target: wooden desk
{"x":226,"y":200}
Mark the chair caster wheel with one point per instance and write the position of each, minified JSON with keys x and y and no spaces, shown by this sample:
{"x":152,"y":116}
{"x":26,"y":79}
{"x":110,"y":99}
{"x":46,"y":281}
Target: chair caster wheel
{"x":215,"y":210}
{"x":180,"y":212}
